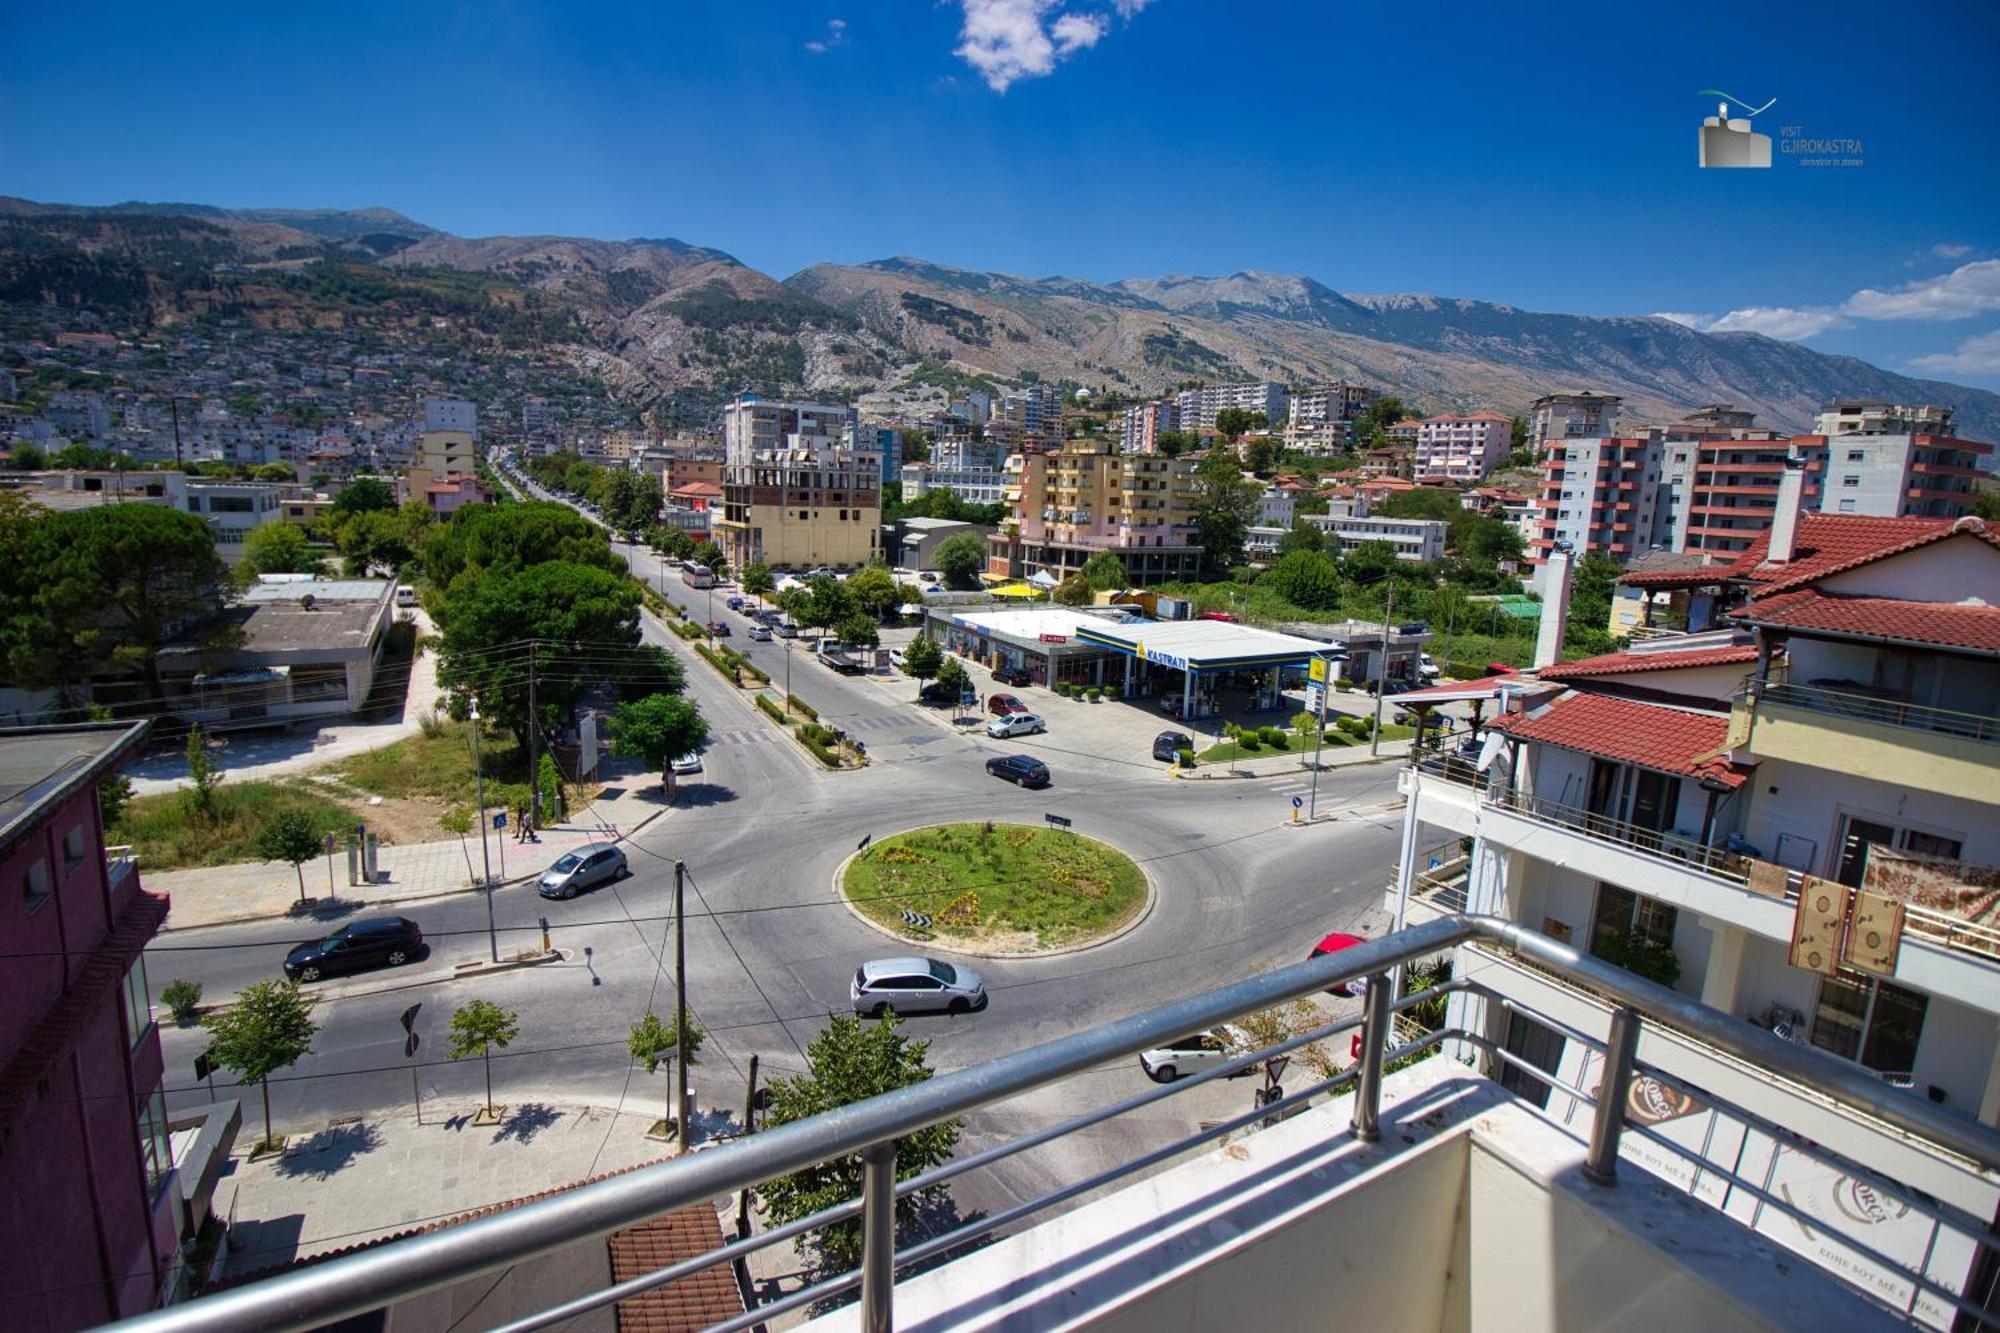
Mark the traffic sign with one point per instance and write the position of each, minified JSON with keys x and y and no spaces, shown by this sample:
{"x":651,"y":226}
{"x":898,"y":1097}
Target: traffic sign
{"x":410,"y":1044}
{"x":1316,"y":670}
{"x":1298,"y":802}
{"x":1058,"y":821}
{"x":1274,"y":1068}
{"x":500,"y":819}
{"x":204,"y":1065}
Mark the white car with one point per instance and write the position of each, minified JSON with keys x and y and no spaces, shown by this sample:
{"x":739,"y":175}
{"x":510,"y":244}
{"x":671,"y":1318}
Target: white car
{"x":688,"y":763}
{"x":759,"y":633}
{"x":1016,"y":724}
{"x":896,"y":658}
{"x":1429,"y":669}
{"x":1194,"y":1053}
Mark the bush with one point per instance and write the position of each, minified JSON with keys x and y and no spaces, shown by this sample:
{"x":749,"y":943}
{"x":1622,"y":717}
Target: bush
{"x":801,"y":706}
{"x":433,"y":724}
{"x":1184,"y":756}
{"x":182,"y":997}
{"x":1272,"y":736}
{"x":821,"y":753}
{"x":755,"y":673}
{"x":1091,"y":694}
{"x":1249,"y":740}
{"x":1349,"y":725}
{"x":777,"y":714}
{"x":687,"y":629}
{"x":1342,"y":683}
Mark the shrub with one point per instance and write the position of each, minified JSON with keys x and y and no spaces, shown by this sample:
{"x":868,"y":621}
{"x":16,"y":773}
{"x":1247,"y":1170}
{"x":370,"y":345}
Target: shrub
{"x":1342,"y":683}
{"x":1230,"y":731}
{"x":820,"y":751}
{"x":1249,"y":740}
{"x":182,"y":997}
{"x":1185,"y":756}
{"x":1091,"y":694}
{"x":801,"y":706}
{"x":433,"y":724}
{"x":1272,"y":736}
{"x":687,"y":629}
{"x":755,"y":673}
{"x":777,"y":714}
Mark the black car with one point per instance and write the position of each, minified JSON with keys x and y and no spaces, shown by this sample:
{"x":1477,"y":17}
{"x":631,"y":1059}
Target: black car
{"x":1020,"y":769}
{"x":937,"y":695}
{"x":1168,"y":745}
{"x":375,"y":941}
{"x":1013,"y":675}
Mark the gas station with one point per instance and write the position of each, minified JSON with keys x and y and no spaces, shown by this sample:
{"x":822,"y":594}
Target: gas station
{"x":1206,"y":654}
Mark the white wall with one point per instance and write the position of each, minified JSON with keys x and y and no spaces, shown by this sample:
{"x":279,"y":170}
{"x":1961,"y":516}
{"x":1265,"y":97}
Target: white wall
{"x":1808,"y":802}
{"x":1947,"y":571}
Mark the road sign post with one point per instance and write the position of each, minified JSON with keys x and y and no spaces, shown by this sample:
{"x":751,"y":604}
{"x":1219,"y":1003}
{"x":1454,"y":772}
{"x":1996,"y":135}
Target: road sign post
{"x":410,"y":1044}
{"x":1319,"y":671}
{"x":1298,"y":802}
{"x":1058,"y":821}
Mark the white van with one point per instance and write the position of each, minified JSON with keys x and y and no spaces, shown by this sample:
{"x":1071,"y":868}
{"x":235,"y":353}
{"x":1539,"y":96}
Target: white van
{"x":405,"y":595}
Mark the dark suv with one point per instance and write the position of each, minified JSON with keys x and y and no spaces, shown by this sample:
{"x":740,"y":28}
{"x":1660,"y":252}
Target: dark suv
{"x":1013,"y":675}
{"x":1020,"y":769}
{"x":375,"y":941}
{"x":1167,"y":746}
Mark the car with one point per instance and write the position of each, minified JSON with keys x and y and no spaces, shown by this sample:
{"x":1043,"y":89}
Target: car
{"x":936,"y":694}
{"x":734,"y":602}
{"x":928,"y":576}
{"x":759,"y":633}
{"x":1020,"y":769}
{"x":1003,"y":704}
{"x":592,"y":864}
{"x":375,"y":941}
{"x":688,"y":763}
{"x":785,"y":629}
{"x":1334,"y":943}
{"x":1429,"y":668}
{"x":1168,"y":745}
{"x":718,"y":629}
{"x":1016,"y":724}
{"x":1013,"y":675}
{"x":915,"y":986}
{"x":896,"y":658}
{"x":1193,"y":1053}
{"x":405,"y":595}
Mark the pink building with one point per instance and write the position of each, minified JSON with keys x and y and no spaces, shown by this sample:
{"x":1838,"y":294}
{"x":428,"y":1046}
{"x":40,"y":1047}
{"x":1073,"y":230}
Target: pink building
{"x":90,"y":1212}
{"x":1463,"y":449}
{"x":447,"y":497}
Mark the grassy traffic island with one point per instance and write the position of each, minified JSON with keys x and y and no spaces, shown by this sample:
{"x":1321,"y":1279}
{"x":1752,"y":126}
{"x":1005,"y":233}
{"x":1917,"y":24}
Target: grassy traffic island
{"x":996,"y":888}
{"x":1342,"y":730}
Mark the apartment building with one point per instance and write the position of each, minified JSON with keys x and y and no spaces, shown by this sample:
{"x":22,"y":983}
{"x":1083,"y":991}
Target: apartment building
{"x":92,"y":1224}
{"x":1580,"y":415}
{"x":451,"y":414}
{"x":1143,"y":423}
{"x":1321,"y":421}
{"x":793,"y":494}
{"x":1874,"y":417}
{"x":1598,"y":495}
{"x":1088,"y":497}
{"x":1463,"y":448}
{"x":234,"y":508}
{"x":1417,"y":540}
{"x":442,"y":451}
{"x":1027,"y":419}
{"x":1196,"y":409}
{"x":884,"y":440}
{"x":974,"y":485}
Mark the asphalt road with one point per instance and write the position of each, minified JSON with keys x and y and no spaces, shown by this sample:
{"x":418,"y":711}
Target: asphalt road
{"x":770,"y":948}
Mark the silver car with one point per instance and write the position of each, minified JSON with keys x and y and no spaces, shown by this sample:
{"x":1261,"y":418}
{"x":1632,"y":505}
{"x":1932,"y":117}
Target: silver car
{"x":1016,"y":724}
{"x":915,"y":986}
{"x":588,"y":866}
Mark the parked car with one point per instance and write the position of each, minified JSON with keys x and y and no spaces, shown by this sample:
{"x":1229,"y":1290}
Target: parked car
{"x":718,"y":629}
{"x":915,"y":986}
{"x":375,"y":941}
{"x":1334,"y":943}
{"x":1168,"y":745}
{"x":759,"y":633}
{"x":936,"y":694}
{"x":588,"y":866}
{"x":735,"y":602}
{"x":1016,"y":724}
{"x":786,"y":629}
{"x":1020,"y":769}
{"x":1013,"y":675}
{"x":896,"y":658}
{"x":1193,"y":1053}
{"x":1428,"y":668}
{"x":1004,"y":704}
{"x":688,"y":763}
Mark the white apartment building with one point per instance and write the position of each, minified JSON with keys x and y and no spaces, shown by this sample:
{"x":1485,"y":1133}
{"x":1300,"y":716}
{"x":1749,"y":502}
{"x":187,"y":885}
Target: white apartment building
{"x":1321,"y":421}
{"x":1418,"y":540}
{"x":1564,"y":416}
{"x":1463,"y":448}
{"x":1276,"y":507}
{"x":1196,"y":409}
{"x":751,"y":424}
{"x":974,"y":485}
{"x":884,"y":440}
{"x":1913,"y":475}
{"x":234,"y":508}
{"x":1036,"y":411}
{"x":1871,"y":417}
{"x":1598,"y":495}
{"x":451,"y":414}
{"x":1140,"y":429}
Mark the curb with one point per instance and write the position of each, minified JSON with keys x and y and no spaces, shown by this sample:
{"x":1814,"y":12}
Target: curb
{"x":387,"y":903}
{"x":1239,"y":776}
{"x":1145,"y":911}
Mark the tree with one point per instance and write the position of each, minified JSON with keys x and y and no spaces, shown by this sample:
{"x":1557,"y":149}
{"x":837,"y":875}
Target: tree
{"x":653,"y":1043}
{"x":952,"y":678}
{"x":1369,"y":562}
{"x":114,"y":793}
{"x":1104,"y":572}
{"x":922,"y":660}
{"x":1303,"y":536}
{"x":1518,"y":438}
{"x":1232,"y":422}
{"x":658,"y":729}
{"x":364,"y":495}
{"x":708,"y":553}
{"x":1305,"y":578}
{"x":758,"y":581}
{"x":858,"y":630}
{"x":1261,"y":456}
{"x":290,"y":836}
{"x":960,"y":559}
{"x":374,"y":539}
{"x":484,"y":539}
{"x":631,"y":500}
{"x":875,"y":588}
{"x":1593,"y":583}
{"x":273,"y":472}
{"x":1174,"y":443}
{"x":278,"y":547}
{"x":477,"y":1028}
{"x":266,"y":1030}
{"x":1223,"y":505}
{"x":1073,"y":591}
{"x":827,"y":602}
{"x":202,"y":777}
{"x":848,"y":1062}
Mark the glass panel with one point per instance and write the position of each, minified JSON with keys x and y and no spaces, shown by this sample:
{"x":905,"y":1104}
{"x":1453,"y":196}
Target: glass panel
{"x":1837,"y":1021}
{"x":155,"y":1145}
{"x":1931,"y":844}
{"x":1656,"y":920}
{"x":138,"y":1002}
{"x":1854,"y":848}
{"x":1613,"y":917}
{"x":1894,"y":1029}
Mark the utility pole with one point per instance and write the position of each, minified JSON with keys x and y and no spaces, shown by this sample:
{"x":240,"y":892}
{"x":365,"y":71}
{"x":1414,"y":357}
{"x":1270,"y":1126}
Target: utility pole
{"x":749,"y":1128}
{"x":681,"y":1003}
{"x":174,"y":404}
{"x":1382,"y":671}
{"x":534,"y":764}
{"x":485,"y":865}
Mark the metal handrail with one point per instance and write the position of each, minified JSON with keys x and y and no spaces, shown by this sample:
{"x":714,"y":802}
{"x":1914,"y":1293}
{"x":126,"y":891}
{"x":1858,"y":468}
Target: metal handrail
{"x":1676,"y":847}
{"x":373,"y":1278}
{"x":1871,"y":708}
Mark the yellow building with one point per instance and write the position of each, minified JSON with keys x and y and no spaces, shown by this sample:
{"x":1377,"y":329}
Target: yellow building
{"x":442,"y":452}
{"x":1087,"y":497}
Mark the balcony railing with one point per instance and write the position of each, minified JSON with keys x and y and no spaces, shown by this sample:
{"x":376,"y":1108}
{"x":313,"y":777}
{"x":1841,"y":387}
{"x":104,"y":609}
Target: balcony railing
{"x":1718,"y":861}
{"x":1874,"y":708}
{"x":119,"y":861}
{"x":381,"y":1276}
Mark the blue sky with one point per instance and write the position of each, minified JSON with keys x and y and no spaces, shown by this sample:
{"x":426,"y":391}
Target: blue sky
{"x":1542,"y":155}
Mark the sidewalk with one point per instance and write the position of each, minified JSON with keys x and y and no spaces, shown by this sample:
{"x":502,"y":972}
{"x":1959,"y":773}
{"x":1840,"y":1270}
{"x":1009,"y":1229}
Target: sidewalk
{"x":1276,"y":765}
{"x":265,"y":890}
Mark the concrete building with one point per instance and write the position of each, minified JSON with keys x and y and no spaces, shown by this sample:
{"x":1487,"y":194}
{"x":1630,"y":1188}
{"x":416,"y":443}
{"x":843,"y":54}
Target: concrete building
{"x":1418,"y":540}
{"x":234,"y":508}
{"x":1571,"y":416}
{"x":92,"y":1221}
{"x":1598,"y":495}
{"x":914,"y":542}
{"x":1463,"y":448}
{"x":1321,"y":421}
{"x":1276,"y":507}
{"x":798,"y":497}
{"x":1028,"y":419}
{"x":1087,"y":497}
{"x":1873,"y":417}
{"x":444,"y":451}
{"x":451,"y":414}
{"x":681,"y":470}
{"x":974,"y":485}
{"x":884,"y":440}
{"x":1143,"y":423}
{"x":1196,"y":409}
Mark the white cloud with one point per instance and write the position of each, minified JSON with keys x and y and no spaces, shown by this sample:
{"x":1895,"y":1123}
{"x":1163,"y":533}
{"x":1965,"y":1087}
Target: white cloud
{"x":1977,"y":355}
{"x":1077,"y":32}
{"x":1968,"y":290}
{"x":1787,"y":322}
{"x":1943,"y":251}
{"x":836,"y":35}
{"x":1010,"y":40}
{"x":1683,"y":317}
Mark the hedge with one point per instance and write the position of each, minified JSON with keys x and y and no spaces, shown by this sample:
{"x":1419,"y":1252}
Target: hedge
{"x":820,"y":752}
{"x":687,"y":629}
{"x":717,"y":660}
{"x":777,"y":713}
{"x":801,"y":706}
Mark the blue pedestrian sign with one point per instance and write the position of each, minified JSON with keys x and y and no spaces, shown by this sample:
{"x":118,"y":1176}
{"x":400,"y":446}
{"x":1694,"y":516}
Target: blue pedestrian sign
{"x":500,"y":819}
{"x":1298,"y":802}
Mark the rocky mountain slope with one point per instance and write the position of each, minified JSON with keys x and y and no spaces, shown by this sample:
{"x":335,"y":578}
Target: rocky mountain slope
{"x":669,"y":324}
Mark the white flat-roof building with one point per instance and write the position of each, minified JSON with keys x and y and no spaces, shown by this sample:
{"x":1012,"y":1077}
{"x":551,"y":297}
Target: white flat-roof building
{"x":1418,"y":540}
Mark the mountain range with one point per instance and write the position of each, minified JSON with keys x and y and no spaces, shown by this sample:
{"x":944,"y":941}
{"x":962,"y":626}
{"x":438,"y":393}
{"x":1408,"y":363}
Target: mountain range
{"x":666,"y":323}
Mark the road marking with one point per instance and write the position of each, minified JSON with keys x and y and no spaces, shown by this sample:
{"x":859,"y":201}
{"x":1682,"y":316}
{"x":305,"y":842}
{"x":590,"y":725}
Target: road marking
{"x":754,"y":736}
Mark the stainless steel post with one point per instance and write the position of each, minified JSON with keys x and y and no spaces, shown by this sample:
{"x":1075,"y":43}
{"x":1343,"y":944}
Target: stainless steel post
{"x":1367,"y":1125}
{"x":1600,"y":1166}
{"x":878,"y":1237}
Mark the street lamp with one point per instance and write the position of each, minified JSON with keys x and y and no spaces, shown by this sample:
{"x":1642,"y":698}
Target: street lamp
{"x":485,"y":865}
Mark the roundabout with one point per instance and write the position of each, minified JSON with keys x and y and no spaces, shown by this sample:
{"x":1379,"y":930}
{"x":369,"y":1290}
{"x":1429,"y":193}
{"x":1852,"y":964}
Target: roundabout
{"x":995,"y":889}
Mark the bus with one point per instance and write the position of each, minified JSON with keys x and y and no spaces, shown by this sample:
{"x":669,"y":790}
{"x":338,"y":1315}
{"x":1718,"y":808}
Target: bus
{"x":697,"y":576}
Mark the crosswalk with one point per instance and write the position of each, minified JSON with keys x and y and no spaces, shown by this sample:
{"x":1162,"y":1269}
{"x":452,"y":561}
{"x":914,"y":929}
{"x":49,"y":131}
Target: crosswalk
{"x":768,"y":735}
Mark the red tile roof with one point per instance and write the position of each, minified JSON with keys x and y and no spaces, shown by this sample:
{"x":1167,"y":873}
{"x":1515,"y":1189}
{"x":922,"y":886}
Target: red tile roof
{"x":1659,"y":659}
{"x":1831,"y":543}
{"x":692,"y":1302}
{"x":1942,"y":624}
{"x":1669,"y":740}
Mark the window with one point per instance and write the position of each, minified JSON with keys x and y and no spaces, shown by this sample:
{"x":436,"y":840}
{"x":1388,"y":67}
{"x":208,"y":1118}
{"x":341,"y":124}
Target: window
{"x":1621,"y":912}
{"x":1847,"y":506}
{"x":1851,"y":479}
{"x":1856,"y":455}
{"x":1860,"y":834}
{"x":138,"y":1002}
{"x":35,"y":885}
{"x":155,"y":1144}
{"x":72,"y":847}
{"x":1874,"y":1023}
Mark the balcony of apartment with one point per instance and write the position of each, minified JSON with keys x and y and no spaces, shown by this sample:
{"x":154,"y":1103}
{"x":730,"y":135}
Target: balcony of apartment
{"x":1475,"y":1188}
{"x":1851,"y":729}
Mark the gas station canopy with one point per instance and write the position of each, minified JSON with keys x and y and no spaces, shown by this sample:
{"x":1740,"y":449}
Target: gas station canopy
{"x":1203,"y":645}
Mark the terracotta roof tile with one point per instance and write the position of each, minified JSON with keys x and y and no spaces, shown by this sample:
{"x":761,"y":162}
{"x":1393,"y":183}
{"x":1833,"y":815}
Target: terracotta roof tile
{"x":1943,"y":624}
{"x":692,"y":1302}
{"x":1830,"y":543}
{"x":1659,"y":659}
{"x":1680,"y":741}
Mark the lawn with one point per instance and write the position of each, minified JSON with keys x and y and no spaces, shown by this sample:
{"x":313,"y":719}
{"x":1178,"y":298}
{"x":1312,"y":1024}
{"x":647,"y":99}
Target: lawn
{"x":435,"y":764}
{"x":167,"y":835}
{"x":1230,"y":751}
{"x":998,"y":884}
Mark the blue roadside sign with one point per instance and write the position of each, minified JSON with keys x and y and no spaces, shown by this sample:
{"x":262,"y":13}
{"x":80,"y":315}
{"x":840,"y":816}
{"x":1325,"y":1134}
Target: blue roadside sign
{"x":1298,"y":802}
{"x":500,"y":819}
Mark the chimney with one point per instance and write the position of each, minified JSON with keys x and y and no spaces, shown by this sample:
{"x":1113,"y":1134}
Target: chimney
{"x":1555,"y":607}
{"x":1785,"y":522}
